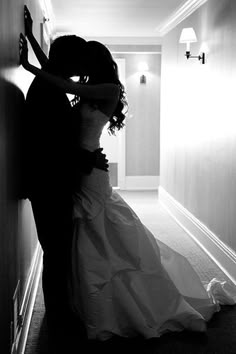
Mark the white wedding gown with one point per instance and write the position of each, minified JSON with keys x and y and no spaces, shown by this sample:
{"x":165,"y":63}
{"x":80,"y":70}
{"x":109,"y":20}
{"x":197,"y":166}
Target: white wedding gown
{"x":125,"y":281}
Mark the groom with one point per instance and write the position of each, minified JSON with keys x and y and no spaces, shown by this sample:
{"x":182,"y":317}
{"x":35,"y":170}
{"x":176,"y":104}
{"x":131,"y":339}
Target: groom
{"x":53,"y":165}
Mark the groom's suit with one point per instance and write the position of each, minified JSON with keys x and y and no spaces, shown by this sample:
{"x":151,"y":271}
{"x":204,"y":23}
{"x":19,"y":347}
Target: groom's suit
{"x":51,"y":166}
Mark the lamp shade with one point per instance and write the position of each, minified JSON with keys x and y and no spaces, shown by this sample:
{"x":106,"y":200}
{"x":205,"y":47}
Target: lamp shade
{"x":188,"y":35}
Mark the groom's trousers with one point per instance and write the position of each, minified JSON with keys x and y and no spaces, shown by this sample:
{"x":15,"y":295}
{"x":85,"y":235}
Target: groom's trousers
{"x":53,"y":218}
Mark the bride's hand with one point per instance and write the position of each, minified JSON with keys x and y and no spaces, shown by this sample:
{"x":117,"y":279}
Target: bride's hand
{"x":28,"y":22}
{"x":23,"y":48}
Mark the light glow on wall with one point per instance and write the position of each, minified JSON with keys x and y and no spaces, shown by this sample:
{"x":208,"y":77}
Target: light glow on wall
{"x":198,"y":92}
{"x":143,"y":67}
{"x":19,"y":77}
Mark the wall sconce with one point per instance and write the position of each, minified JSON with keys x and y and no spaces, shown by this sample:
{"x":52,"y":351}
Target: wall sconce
{"x":143,"y":68}
{"x":45,"y":19}
{"x":188,"y":36}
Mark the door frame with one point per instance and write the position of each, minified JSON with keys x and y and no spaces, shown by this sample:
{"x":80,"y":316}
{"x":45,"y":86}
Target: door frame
{"x":121,"y":134}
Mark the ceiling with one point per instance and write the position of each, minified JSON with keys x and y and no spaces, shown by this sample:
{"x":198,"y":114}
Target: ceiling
{"x":112,"y":18}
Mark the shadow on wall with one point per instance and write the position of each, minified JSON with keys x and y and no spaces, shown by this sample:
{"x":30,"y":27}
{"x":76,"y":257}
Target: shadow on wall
{"x":17,"y":244}
{"x":18,"y":238}
{"x":12,"y":112}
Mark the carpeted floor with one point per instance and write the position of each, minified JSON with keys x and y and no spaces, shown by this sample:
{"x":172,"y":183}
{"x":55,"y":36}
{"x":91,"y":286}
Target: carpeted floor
{"x":221,"y":333}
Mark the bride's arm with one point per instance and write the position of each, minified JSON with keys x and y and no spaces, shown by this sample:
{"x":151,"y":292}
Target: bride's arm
{"x":41,"y":56}
{"x":106,"y":91}
{"x":98,"y":91}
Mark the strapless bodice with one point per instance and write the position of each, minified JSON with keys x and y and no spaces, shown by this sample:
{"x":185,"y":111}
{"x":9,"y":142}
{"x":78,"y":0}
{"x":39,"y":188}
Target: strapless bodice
{"x":92,"y":122}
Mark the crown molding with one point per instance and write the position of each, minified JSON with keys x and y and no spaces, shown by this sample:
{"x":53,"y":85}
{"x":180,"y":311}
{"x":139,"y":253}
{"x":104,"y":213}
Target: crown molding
{"x":179,"y":15}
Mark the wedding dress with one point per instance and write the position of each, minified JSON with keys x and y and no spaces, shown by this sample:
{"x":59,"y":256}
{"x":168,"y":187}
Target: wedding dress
{"x":125,"y":281}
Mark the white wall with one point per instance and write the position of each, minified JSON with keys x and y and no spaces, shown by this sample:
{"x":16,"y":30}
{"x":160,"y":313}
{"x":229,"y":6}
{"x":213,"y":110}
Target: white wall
{"x":198,"y":126}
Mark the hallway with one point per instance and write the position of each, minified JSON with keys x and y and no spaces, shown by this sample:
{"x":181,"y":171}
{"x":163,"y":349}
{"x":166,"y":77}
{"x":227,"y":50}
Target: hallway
{"x":221,"y":334}
{"x":180,"y":134}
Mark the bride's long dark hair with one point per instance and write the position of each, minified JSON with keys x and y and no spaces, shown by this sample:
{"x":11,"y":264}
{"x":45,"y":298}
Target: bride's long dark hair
{"x":103,"y":69}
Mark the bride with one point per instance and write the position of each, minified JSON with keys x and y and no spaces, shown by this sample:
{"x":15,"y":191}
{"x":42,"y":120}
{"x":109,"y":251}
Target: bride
{"x":124,"y":281}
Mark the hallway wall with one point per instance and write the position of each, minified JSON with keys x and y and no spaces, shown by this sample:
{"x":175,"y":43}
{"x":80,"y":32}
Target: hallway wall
{"x":142,"y":126}
{"x":17,"y":229}
{"x":198,"y":126}
{"x":142,"y":133}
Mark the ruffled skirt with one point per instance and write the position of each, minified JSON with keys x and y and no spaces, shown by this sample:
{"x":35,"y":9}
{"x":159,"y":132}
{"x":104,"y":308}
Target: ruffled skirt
{"x":125,"y":281}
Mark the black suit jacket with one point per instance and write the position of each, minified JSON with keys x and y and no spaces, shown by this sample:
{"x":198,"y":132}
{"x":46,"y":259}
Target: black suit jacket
{"x":50,"y":159}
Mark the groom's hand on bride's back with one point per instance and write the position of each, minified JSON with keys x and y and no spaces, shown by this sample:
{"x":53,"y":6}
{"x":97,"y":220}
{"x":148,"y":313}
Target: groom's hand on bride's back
{"x":101,"y":161}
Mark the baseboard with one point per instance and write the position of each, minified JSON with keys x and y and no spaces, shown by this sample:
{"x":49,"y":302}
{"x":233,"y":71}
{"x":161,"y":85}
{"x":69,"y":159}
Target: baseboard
{"x":218,"y":251}
{"x":141,"y":182}
{"x":29,"y":297}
